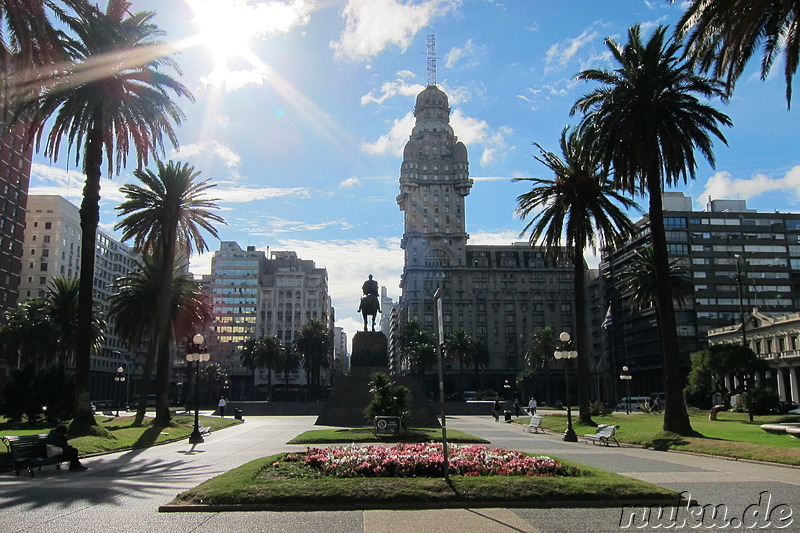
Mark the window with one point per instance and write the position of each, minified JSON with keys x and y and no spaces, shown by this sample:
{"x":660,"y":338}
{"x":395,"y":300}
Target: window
{"x":48,"y":225}
{"x":674,"y":222}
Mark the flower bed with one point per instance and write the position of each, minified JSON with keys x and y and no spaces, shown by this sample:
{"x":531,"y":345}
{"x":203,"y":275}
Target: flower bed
{"x":427,"y":460}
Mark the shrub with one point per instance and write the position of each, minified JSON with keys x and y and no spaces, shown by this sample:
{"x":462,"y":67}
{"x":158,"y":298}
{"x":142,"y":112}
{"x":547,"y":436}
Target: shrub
{"x":760,"y":400}
{"x":31,"y":393}
{"x":388,"y":399}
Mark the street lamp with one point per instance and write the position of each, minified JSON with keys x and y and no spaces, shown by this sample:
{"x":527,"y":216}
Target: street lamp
{"x":507,"y":387}
{"x":119,"y":378}
{"x":739,"y":275}
{"x":567,"y":354}
{"x":626,"y":377}
{"x":196,"y":352}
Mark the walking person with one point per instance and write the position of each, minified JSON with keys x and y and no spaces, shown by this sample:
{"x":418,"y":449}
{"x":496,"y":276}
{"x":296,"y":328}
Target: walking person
{"x":532,"y":406}
{"x":496,"y":408}
{"x":222,"y":404}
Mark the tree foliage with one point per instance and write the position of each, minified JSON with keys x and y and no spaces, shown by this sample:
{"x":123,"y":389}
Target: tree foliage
{"x":388,"y":399}
{"x":724,"y":369}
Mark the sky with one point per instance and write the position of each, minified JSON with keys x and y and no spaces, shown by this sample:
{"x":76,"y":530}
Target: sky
{"x":302,"y":109}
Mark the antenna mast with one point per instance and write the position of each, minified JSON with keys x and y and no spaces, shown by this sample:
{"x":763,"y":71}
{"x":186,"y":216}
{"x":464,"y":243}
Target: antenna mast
{"x":431,"y":60}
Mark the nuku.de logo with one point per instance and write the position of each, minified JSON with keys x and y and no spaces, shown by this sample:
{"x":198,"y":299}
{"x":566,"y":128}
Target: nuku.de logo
{"x":759,"y":515}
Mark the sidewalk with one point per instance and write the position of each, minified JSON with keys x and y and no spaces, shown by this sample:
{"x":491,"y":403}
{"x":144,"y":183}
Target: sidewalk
{"x":121,"y":492}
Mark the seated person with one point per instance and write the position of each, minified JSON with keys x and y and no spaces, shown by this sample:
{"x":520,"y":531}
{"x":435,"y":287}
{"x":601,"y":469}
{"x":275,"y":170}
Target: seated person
{"x":58,"y":437}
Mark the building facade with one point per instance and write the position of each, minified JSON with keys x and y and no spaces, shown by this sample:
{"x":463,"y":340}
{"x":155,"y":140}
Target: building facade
{"x":52,"y":243}
{"x":497,"y":294}
{"x":15,"y":171}
{"x":737,"y":259}
{"x":255,"y":295}
{"x":775,"y":340}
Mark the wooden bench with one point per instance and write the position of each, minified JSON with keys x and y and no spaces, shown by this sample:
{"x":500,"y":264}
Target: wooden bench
{"x":534,"y":425}
{"x":603,"y":435}
{"x":29,"y":451}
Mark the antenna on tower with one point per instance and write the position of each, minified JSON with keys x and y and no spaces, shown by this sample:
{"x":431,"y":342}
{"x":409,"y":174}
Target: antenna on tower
{"x":431,"y":60}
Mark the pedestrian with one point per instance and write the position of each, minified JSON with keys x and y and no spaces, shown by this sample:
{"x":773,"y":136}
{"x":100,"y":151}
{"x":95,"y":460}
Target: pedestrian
{"x":496,"y":408}
{"x":532,"y":406}
{"x":222,"y":404}
{"x":56,"y":444}
{"x":516,"y":407}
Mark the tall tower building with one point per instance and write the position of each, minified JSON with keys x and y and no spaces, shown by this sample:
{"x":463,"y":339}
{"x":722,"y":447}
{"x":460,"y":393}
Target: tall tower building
{"x":434,"y":181}
{"x":497,"y":294}
{"x":15,"y":172}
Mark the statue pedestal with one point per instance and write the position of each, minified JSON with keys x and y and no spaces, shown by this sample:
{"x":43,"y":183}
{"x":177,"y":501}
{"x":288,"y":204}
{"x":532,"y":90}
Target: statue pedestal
{"x":350,"y":394}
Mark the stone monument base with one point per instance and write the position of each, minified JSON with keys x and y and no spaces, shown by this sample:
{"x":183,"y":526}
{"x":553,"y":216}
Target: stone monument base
{"x":349,"y":397}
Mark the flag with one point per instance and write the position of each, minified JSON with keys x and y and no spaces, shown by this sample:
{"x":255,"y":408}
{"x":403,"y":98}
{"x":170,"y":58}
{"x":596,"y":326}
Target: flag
{"x":608,"y":320}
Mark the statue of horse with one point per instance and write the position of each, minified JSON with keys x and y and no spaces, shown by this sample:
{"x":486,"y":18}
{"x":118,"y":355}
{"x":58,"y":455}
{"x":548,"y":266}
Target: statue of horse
{"x":369,"y":306}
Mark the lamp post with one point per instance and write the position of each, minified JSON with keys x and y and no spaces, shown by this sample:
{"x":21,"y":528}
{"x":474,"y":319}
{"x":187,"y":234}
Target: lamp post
{"x":739,"y":275}
{"x":119,"y":378}
{"x":507,"y":387}
{"x":626,"y":377}
{"x":196,"y":352}
{"x":567,"y":354}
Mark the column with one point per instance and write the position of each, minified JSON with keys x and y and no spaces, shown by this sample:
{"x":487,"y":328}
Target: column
{"x":794,"y":393}
{"x":780,"y":383}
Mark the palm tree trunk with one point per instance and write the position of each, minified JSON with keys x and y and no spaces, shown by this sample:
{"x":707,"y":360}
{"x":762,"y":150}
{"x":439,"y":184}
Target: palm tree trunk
{"x":676,"y":419}
{"x":147,"y":374}
{"x":163,"y":416}
{"x":90,"y":218}
{"x":580,"y":337}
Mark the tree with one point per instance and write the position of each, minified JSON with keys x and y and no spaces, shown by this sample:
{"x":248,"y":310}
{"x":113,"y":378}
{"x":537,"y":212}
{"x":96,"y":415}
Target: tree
{"x":111,"y":95}
{"x":459,"y":346}
{"x":646,"y":121}
{"x":480,"y":359}
{"x":541,"y":347}
{"x":28,"y":335}
{"x":722,"y":36}
{"x":720,"y":365}
{"x":640,"y":286}
{"x":289,"y":363}
{"x":388,"y":399}
{"x":169,"y":210}
{"x":417,"y":347}
{"x":314,"y":344}
{"x":578,"y":206}
{"x":131,"y":307}
{"x":264,"y":353}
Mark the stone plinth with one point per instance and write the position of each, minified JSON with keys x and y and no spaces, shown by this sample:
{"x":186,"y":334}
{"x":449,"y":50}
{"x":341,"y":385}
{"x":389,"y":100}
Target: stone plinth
{"x":350,"y":395}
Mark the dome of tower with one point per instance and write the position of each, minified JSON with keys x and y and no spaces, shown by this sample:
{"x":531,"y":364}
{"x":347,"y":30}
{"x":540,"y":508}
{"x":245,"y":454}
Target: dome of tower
{"x":432,"y":95}
{"x":460,"y":152}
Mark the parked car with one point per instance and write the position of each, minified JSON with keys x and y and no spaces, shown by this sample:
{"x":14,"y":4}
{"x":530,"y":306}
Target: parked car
{"x":785,"y":408}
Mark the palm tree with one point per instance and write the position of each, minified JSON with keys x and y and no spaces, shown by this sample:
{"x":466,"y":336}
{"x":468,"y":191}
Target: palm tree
{"x":459,"y":346}
{"x":580,"y":206}
{"x":639,"y":281}
{"x":647,"y":122}
{"x":722,"y":36}
{"x":417,"y":347}
{"x":28,"y":335}
{"x":289,"y":363}
{"x":131,"y":308}
{"x":168,"y":211}
{"x":264,"y":353}
{"x":541,"y":346}
{"x":314,"y":343}
{"x":480,"y":359}
{"x":113,"y":96}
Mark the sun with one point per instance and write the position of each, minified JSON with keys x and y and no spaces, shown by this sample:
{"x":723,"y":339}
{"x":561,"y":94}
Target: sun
{"x":226,"y":29}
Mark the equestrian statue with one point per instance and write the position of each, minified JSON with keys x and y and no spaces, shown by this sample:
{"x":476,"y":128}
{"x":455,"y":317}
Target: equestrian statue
{"x":370,"y":303}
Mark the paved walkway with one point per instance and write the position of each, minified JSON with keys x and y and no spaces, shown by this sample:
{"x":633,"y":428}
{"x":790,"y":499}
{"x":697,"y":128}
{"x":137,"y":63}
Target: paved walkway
{"x":121,"y":492}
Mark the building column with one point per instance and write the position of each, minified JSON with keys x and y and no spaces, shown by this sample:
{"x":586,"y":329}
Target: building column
{"x":794,"y":393}
{"x":781,"y":388}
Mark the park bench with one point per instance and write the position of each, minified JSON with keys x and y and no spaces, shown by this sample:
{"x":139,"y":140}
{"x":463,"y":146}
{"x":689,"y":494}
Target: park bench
{"x":603,"y":435}
{"x":534,"y":425}
{"x":30,"y":451}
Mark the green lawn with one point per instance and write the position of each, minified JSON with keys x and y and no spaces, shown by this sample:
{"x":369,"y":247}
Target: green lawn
{"x":262,"y":484}
{"x":367,"y":434}
{"x":123,"y":434}
{"x":732,"y":435}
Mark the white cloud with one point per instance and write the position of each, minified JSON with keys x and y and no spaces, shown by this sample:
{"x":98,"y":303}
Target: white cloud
{"x":560,"y":54}
{"x":392,"y":88}
{"x":468,"y":53}
{"x":350,"y":182}
{"x":722,"y":185}
{"x":496,"y":238}
{"x":231,"y":80}
{"x":393,"y":142}
{"x":47,"y":180}
{"x":251,"y":194}
{"x":373,"y":25}
{"x":205,"y":148}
